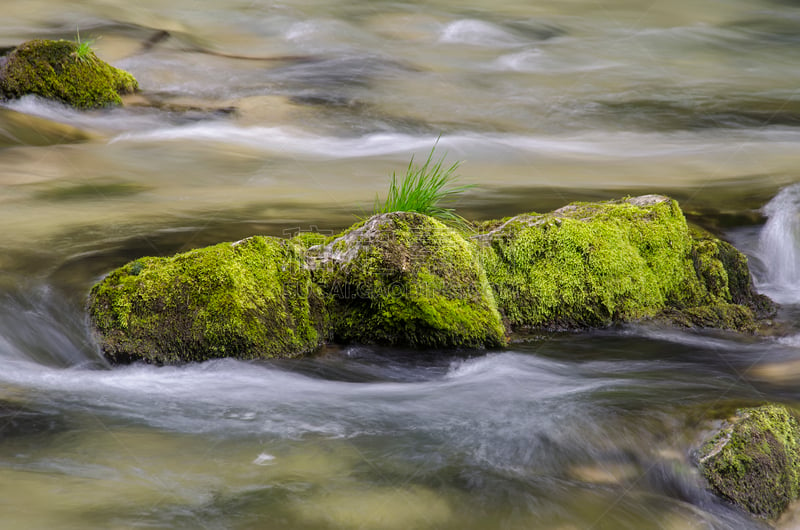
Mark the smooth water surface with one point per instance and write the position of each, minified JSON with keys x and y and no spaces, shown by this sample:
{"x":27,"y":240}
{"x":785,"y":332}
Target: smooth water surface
{"x":275,"y":117}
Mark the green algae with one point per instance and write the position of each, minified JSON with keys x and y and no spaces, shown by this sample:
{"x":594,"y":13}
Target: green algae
{"x":407,"y":279}
{"x":250,"y":299}
{"x":597,"y":264}
{"x":754,"y":461}
{"x":54,"y":70}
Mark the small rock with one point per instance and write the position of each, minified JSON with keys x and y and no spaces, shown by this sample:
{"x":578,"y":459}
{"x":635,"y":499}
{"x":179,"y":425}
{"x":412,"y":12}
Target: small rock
{"x":754,"y":460}
{"x":57,"y":70}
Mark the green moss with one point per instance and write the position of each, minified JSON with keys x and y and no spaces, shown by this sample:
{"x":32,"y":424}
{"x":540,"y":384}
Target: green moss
{"x":724,"y":273}
{"x":406,"y":278}
{"x":755,"y":461}
{"x":310,"y":239}
{"x":250,"y":299}
{"x":588,"y":264}
{"x":595,"y":264}
{"x":720,"y":315}
{"x":53,"y":70}
{"x":723,"y":295}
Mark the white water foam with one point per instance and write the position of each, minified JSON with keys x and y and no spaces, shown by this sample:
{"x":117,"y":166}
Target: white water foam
{"x":779,"y":247}
{"x":608,"y":145}
{"x":535,"y":60}
{"x":478,"y":33}
{"x":264,"y":459}
{"x":112,"y":120}
{"x":323,"y":35}
{"x":792,"y":341}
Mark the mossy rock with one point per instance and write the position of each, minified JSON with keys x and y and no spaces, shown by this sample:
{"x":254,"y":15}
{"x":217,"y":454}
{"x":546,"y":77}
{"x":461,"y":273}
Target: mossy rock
{"x":407,"y":279}
{"x":602,"y":263}
{"x":589,"y":264}
{"x":249,"y":299}
{"x":754,"y":460}
{"x":54,"y":70}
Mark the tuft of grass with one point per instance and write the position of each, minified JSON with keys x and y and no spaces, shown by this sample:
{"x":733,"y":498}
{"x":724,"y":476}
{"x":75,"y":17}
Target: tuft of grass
{"x":84,"y":51}
{"x":423,"y":189}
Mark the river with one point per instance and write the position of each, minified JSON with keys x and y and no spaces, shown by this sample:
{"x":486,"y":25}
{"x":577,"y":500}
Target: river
{"x":260,"y":117}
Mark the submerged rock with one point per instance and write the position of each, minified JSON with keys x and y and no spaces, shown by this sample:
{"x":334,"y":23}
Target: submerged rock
{"x":17,"y":420}
{"x":754,"y":460}
{"x":57,"y":70}
{"x":17,"y":128}
{"x":249,"y":299}
{"x":596,"y":264}
{"x":384,"y":507}
{"x":407,"y":279}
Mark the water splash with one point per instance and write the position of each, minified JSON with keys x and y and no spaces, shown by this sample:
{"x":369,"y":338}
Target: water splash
{"x":779,"y":247}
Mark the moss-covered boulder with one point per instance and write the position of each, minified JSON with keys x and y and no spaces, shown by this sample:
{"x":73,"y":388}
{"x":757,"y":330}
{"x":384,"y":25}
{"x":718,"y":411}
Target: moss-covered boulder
{"x":249,"y":299}
{"x":754,"y":460}
{"x":58,"y":70}
{"x":596,"y":264}
{"x":407,"y":279}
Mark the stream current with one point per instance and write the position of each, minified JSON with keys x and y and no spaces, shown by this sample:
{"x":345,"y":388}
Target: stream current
{"x":261,"y":117}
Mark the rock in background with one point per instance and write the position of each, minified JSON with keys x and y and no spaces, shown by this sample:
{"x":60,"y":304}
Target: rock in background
{"x":57,"y":70}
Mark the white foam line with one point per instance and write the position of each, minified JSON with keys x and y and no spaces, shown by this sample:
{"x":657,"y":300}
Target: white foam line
{"x":283,"y":140}
{"x":605,"y":144}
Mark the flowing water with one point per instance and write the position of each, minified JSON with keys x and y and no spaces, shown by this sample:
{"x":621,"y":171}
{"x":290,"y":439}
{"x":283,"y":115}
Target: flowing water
{"x":261,"y":117}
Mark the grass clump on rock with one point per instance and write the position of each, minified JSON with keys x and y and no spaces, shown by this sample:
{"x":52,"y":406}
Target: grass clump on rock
{"x":84,"y":52}
{"x":250,"y":299}
{"x":754,"y":461}
{"x":423,"y":190}
{"x":64,"y":71}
